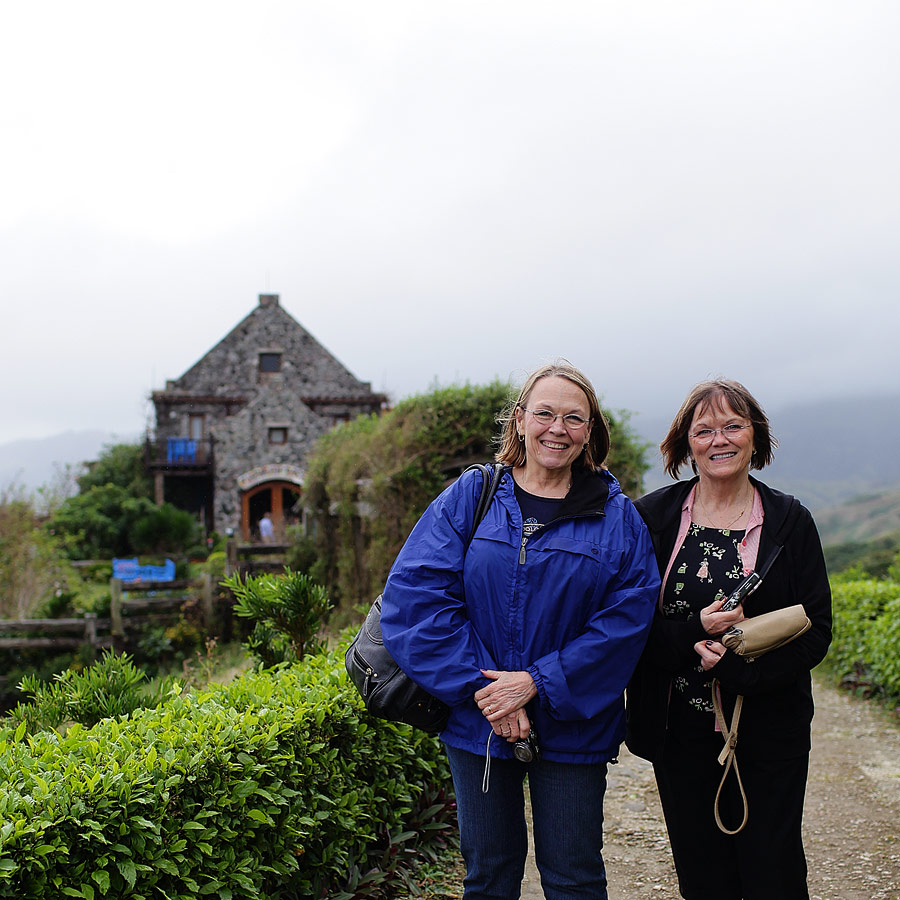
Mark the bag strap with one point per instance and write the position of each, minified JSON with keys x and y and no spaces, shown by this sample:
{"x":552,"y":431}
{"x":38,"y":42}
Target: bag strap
{"x":490,"y":479}
{"x":727,"y":756}
{"x":764,"y":568}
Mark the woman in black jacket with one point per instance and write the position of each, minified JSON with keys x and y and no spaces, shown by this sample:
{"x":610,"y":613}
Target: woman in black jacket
{"x":709,"y":534}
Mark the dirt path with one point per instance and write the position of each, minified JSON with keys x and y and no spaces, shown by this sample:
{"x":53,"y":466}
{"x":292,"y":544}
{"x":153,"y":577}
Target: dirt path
{"x":852,"y":821}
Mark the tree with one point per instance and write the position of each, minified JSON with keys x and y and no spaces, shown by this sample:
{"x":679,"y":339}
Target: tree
{"x":31,"y":572}
{"x":121,"y":465}
{"x":107,"y":521}
{"x":113,"y":513}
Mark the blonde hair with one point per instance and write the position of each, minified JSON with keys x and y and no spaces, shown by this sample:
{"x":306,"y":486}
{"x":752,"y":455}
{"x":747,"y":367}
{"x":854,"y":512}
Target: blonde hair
{"x":511,"y":451}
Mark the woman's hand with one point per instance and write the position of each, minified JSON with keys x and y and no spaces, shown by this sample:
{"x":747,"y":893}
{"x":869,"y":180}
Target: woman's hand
{"x":514,"y":727}
{"x":710,"y":653}
{"x":715,"y":622}
{"x":507,"y":693}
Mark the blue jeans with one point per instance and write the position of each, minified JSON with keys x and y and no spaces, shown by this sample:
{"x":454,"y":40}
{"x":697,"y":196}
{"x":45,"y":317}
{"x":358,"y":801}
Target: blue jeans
{"x":567,"y":818}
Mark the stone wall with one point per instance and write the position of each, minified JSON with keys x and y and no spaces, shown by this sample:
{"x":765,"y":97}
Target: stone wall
{"x":242,"y":443}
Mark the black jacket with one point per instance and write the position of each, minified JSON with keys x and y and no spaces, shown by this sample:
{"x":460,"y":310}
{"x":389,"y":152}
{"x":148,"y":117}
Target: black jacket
{"x":777,"y":689}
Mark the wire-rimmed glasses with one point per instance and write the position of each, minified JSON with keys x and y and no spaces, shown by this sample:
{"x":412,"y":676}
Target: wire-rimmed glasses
{"x":707,"y":435}
{"x":572,"y":421}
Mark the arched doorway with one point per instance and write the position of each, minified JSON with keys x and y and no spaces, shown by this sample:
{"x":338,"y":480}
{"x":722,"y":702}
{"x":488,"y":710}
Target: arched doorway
{"x":281,"y":499}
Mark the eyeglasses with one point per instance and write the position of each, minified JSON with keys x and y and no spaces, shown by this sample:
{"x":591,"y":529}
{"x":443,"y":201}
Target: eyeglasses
{"x":706,"y":435}
{"x":572,"y":421}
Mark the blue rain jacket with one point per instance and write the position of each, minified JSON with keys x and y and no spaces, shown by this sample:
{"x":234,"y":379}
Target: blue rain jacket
{"x":573,"y":608}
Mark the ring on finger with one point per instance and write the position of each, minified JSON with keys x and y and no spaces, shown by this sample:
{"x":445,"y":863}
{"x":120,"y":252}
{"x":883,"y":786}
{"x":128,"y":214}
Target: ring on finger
{"x":490,"y":709}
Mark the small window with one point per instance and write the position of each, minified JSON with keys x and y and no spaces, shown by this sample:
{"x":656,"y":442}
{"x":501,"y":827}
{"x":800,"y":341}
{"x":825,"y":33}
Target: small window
{"x":269,"y":362}
{"x":278,"y":435}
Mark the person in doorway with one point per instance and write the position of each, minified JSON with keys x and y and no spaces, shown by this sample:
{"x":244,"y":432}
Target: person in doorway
{"x":709,"y":533}
{"x":530,"y":636}
{"x":266,"y":528}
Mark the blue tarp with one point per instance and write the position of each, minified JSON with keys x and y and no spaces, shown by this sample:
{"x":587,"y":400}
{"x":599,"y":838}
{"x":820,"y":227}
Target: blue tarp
{"x":129,"y":570}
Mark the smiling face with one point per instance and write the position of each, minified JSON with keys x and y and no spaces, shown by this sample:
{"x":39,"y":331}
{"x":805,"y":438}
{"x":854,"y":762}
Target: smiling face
{"x":723,"y":457}
{"x":554,"y":446}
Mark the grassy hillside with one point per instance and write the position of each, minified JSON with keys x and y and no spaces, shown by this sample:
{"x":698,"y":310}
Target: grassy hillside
{"x":862,"y":519}
{"x":873,"y":558}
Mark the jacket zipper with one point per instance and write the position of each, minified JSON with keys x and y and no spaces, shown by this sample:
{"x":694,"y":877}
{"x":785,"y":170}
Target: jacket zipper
{"x":526,"y":538}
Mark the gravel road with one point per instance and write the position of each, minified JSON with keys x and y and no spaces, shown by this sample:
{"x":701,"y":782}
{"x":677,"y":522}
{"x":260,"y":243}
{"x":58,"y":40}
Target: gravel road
{"x":852,"y":821}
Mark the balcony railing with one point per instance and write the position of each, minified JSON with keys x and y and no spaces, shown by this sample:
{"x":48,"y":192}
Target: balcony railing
{"x":178,"y":453}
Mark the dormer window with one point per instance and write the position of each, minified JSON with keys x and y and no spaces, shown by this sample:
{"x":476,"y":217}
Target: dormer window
{"x":269,"y":362}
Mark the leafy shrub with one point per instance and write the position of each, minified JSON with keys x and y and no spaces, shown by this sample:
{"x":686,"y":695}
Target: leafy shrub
{"x":214,"y":565}
{"x":107,"y":521}
{"x":287,"y":610}
{"x":866,"y":632}
{"x":882,"y":643}
{"x":164,"y":529}
{"x":277,"y":785}
{"x":301,"y":552}
{"x":17,"y":665}
{"x":113,"y":686}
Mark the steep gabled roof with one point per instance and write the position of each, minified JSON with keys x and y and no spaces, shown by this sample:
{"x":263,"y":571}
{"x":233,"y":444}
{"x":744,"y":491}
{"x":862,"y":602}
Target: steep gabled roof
{"x":232,"y":366}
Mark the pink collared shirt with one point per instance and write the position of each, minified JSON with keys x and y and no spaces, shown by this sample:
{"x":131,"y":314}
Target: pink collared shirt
{"x":749,"y":548}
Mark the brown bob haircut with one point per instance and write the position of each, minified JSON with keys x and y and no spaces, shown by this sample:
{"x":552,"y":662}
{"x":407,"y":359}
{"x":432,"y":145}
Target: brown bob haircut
{"x":675,"y":447}
{"x":511,"y":450}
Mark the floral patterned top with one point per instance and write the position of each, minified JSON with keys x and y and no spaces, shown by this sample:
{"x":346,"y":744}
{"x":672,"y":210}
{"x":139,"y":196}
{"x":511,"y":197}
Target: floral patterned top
{"x":708,"y":566}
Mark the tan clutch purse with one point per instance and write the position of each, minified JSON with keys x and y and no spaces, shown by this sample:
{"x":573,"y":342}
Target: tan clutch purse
{"x":758,"y":635}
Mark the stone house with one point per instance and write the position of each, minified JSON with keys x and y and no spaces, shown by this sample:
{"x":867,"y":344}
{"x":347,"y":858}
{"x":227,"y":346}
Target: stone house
{"x":233,"y":431}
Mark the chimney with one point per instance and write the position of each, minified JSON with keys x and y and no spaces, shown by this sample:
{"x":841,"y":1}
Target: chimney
{"x":268,"y":299}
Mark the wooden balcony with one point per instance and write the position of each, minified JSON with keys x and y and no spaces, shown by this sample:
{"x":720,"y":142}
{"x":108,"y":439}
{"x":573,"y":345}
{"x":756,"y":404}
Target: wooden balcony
{"x":179,"y":455}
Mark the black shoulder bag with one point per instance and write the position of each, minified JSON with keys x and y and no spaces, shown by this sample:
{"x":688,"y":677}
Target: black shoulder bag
{"x":388,"y":692}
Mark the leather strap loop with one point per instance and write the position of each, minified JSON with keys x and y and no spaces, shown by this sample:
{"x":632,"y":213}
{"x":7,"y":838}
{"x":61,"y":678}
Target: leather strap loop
{"x":727,"y":756}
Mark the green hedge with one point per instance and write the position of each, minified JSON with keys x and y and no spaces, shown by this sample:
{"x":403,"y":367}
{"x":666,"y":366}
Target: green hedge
{"x":277,"y":785}
{"x":866,"y":632}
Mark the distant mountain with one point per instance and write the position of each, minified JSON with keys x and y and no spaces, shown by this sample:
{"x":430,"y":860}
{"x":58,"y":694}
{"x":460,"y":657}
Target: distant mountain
{"x":828,"y":452}
{"x":34,"y":463}
{"x":860,"y":520}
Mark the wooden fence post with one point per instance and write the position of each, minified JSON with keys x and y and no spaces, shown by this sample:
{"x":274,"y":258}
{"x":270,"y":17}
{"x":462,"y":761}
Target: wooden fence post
{"x":206,"y":602}
{"x":231,"y":557}
{"x":116,"y":627}
{"x":90,"y":630}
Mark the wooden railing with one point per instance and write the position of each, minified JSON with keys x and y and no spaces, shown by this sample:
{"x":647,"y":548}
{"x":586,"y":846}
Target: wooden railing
{"x":129,"y":615}
{"x":243,"y":559}
{"x":55,"y":634}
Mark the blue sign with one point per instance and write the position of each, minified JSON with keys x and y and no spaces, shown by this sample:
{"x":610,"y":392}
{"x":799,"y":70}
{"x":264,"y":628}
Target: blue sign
{"x":128,"y":570}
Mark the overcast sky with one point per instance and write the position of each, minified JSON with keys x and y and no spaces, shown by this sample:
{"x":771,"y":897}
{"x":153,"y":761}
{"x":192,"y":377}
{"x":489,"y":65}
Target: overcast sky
{"x":447,"y":192}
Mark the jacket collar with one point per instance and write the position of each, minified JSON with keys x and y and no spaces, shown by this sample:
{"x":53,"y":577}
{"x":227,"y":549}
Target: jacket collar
{"x":588,"y":495}
{"x":662,"y":508}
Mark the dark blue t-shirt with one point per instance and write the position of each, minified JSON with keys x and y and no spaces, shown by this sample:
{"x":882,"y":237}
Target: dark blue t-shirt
{"x":536,"y":511}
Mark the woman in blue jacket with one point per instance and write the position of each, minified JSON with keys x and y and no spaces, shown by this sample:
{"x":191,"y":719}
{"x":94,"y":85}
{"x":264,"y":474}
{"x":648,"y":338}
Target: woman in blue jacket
{"x":530,"y":636}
